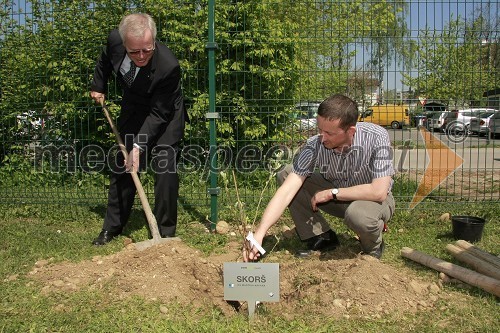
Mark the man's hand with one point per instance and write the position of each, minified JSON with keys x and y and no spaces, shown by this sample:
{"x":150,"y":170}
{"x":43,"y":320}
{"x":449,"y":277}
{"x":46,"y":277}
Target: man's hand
{"x":133,"y":160}
{"x":251,"y":253}
{"x":320,"y":197}
{"x":97,"y":97}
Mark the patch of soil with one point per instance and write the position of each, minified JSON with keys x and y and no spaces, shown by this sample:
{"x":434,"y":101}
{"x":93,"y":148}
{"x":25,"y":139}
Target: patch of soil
{"x":340,"y":283}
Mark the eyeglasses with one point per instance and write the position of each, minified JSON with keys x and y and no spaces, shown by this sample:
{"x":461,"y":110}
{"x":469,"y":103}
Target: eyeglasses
{"x":144,"y":51}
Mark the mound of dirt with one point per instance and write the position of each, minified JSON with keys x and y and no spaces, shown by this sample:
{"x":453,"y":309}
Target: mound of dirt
{"x":339,"y":285}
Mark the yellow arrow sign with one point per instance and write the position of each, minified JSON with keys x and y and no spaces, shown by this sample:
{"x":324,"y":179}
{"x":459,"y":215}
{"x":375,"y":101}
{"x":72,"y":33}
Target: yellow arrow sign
{"x":443,"y":161}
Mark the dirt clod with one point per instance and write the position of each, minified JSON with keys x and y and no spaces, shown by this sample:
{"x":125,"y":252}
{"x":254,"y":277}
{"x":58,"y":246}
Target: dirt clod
{"x":222,"y":227}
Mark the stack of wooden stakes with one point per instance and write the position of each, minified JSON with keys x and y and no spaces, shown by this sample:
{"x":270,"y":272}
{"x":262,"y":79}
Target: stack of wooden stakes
{"x":485,"y":272}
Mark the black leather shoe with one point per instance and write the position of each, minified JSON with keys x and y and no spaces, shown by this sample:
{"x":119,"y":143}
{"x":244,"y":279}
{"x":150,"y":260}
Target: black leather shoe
{"x":105,"y":237}
{"x":379,"y":251}
{"x":324,"y":242}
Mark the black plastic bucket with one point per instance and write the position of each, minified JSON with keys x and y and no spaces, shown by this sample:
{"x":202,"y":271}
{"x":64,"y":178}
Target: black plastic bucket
{"x":468,"y":228}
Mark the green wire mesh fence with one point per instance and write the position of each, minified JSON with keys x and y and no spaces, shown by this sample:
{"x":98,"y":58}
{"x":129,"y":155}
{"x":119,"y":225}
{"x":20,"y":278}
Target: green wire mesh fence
{"x":274,"y":62}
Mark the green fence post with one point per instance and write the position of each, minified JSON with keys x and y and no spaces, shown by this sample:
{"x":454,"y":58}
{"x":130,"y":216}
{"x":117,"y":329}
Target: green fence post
{"x":212,"y":116}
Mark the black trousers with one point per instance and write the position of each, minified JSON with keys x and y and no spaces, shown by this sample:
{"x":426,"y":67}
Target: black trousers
{"x":162,"y":160}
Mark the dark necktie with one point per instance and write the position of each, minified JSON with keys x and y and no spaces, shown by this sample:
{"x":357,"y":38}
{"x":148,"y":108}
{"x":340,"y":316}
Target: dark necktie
{"x":129,"y":76}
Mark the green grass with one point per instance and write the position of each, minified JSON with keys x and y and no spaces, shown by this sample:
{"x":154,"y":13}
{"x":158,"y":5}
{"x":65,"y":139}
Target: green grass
{"x":31,"y":233}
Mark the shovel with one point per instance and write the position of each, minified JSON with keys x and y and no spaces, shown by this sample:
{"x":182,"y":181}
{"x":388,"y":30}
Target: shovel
{"x":153,"y":225}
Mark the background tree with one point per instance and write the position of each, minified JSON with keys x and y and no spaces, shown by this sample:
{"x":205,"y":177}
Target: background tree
{"x":54,"y":51}
{"x":386,"y":33}
{"x":361,"y":85}
{"x":458,"y":64}
{"x":329,"y":40}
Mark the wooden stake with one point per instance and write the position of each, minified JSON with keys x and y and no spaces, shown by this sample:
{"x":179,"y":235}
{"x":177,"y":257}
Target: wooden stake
{"x":471,"y":277}
{"x":477,"y":252}
{"x":475,"y":263}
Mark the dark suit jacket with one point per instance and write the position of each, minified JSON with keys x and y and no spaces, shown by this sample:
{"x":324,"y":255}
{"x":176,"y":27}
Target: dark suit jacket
{"x":153,"y":107}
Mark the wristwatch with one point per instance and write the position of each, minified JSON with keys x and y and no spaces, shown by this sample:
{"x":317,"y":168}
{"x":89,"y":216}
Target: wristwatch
{"x":335,"y":191}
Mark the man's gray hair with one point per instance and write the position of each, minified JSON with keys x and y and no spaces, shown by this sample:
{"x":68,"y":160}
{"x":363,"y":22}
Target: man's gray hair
{"x":136,"y":25}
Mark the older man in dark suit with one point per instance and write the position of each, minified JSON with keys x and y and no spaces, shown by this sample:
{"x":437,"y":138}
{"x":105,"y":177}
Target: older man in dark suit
{"x":151,"y":120}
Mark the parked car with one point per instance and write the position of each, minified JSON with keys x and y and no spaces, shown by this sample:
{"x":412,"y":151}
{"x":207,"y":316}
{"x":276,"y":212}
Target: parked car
{"x":464,"y":116}
{"x":494,"y":125}
{"x":392,"y":115}
{"x":479,"y":124}
{"x":439,"y":120}
{"x":419,"y":120}
{"x":304,"y":115}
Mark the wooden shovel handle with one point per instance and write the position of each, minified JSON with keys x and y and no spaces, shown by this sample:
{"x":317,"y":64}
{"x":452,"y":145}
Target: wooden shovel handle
{"x":153,"y":225}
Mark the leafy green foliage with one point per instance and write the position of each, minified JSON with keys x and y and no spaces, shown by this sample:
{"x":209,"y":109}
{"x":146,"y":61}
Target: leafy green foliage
{"x":263,"y":64}
{"x":459,"y":63}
